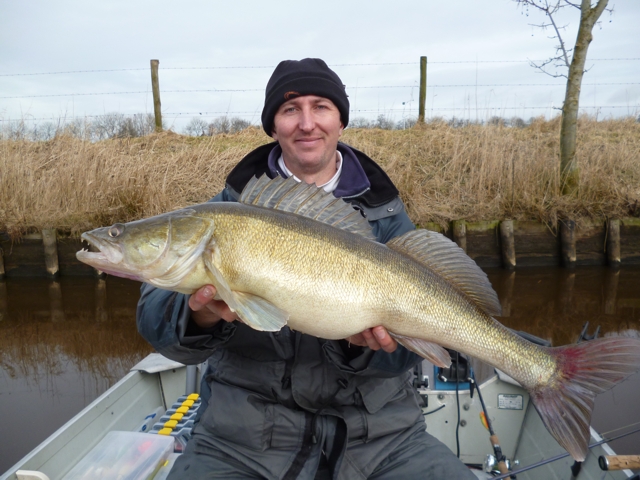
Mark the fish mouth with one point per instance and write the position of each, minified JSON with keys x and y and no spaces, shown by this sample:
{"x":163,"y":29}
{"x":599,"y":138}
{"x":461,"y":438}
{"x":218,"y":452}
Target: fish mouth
{"x":101,"y":254}
{"x":106,"y":256}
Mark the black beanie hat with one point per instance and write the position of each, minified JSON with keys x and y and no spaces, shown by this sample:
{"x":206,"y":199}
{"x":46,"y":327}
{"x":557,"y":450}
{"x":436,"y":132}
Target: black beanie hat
{"x":293,"y":78}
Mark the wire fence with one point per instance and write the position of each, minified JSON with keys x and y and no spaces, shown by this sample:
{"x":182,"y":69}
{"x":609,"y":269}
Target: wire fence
{"x":381,"y":94}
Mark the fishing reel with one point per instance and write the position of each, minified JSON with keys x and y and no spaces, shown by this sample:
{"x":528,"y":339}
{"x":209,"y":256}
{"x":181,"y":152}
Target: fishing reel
{"x":490,"y":464}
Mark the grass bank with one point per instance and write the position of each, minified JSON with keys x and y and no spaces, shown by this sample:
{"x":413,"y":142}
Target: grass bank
{"x":444,"y":173}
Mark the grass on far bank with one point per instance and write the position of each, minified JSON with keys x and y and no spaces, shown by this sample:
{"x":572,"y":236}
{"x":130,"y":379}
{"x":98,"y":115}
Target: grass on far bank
{"x":475,"y":173}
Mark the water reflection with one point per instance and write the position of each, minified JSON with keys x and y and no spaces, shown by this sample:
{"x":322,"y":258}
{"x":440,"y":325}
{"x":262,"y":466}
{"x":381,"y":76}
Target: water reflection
{"x":555,"y":303}
{"x":89,"y":322}
{"x":64,"y":343}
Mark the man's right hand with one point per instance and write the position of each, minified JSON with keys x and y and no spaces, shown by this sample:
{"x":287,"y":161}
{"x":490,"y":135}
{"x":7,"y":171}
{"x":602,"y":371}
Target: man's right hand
{"x":206,"y":311}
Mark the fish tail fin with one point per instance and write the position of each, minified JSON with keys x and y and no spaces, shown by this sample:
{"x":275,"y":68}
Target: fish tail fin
{"x":565,"y":403}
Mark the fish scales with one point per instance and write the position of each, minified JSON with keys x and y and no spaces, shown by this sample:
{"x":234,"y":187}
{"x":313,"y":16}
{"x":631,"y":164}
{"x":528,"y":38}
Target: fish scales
{"x":311,"y":262}
{"x":323,"y":277}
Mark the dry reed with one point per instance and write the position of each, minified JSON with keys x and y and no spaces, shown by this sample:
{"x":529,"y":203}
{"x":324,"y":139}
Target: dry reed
{"x":444,"y":173}
{"x":32,"y":345}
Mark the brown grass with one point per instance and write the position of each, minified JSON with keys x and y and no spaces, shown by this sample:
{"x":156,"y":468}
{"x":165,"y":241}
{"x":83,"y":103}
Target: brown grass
{"x":444,"y":173}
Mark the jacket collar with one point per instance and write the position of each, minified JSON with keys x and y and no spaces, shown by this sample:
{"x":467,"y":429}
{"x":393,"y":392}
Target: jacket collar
{"x":362,"y":179}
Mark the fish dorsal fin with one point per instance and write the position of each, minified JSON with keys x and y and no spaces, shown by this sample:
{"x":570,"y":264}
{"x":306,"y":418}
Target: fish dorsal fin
{"x":444,"y":257}
{"x":289,"y":195}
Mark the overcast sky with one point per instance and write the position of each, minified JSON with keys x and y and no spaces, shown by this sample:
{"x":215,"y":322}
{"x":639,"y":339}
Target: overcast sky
{"x":478,"y":53}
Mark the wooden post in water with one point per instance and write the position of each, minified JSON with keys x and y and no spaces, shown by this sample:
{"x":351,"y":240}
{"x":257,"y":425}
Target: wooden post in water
{"x":50,"y":243}
{"x":3,"y":301}
{"x":568,"y":242}
{"x":568,"y":282}
{"x":422,"y":104}
{"x":460,"y":233}
{"x":1,"y":263}
{"x":507,"y":293}
{"x":55,"y":302}
{"x":611,"y":290}
{"x":507,"y":245}
{"x":155,"y":86}
{"x":613,"y":243}
{"x":101,"y":300}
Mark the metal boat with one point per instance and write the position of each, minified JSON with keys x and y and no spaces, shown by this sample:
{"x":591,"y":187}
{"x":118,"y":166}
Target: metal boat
{"x":456,"y":412}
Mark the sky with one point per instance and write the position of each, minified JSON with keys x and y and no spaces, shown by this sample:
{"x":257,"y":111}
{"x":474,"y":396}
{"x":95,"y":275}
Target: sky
{"x":216,"y":57}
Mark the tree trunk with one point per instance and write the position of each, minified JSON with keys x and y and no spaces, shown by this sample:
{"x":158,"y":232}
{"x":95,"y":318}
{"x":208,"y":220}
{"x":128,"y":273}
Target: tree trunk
{"x":569,"y":173}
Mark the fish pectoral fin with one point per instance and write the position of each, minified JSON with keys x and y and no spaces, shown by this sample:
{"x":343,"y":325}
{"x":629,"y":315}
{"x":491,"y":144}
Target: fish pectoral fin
{"x":428,"y":350}
{"x":258,"y":313}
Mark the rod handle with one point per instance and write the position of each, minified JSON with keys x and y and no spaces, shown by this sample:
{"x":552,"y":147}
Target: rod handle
{"x":619,"y":462}
{"x":502,"y":466}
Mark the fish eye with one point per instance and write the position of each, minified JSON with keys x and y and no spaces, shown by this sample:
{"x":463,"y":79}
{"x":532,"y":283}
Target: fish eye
{"x":116,"y":230}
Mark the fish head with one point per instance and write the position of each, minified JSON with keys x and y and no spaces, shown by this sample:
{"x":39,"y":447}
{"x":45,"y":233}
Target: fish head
{"x":159,"y":250}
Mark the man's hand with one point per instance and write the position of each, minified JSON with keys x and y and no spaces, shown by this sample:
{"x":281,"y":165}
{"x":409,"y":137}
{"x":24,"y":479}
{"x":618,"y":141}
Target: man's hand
{"x":206,"y":311}
{"x":375,"y":338}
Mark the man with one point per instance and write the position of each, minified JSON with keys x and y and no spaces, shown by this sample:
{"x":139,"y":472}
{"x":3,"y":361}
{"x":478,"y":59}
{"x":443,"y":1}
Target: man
{"x":286,"y":405}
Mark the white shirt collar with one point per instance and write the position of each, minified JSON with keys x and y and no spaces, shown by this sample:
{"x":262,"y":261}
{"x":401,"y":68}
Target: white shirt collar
{"x":329,"y":187}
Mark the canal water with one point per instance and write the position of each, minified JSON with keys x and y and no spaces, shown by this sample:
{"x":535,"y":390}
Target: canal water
{"x":62,"y":344}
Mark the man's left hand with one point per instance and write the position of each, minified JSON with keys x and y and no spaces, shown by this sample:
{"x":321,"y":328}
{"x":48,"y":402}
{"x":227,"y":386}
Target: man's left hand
{"x":375,"y":338}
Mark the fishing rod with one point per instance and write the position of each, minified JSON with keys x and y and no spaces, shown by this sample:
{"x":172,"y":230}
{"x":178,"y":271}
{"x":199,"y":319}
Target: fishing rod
{"x":562,"y":455}
{"x":497,"y":449}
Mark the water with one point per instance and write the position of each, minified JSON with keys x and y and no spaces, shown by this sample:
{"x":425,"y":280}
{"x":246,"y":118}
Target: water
{"x":555,"y":304}
{"x":62,"y":344}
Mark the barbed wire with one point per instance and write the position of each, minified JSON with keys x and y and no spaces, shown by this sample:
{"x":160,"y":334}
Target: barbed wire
{"x":136,"y":92}
{"x":273,"y":66}
{"x":348,"y":88}
{"x":206,"y":114}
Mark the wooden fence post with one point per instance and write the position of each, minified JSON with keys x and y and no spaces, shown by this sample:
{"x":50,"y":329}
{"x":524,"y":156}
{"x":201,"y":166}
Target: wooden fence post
{"x":423,"y":89}
{"x":155,"y":86}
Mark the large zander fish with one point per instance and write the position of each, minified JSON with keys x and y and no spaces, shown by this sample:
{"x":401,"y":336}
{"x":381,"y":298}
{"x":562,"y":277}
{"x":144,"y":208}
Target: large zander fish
{"x":290,"y":254}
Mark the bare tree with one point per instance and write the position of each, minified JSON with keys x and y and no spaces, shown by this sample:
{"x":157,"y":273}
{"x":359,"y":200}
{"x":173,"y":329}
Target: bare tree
{"x":108,"y":125}
{"x":46,"y":131}
{"x":384,"y":122}
{"x":359,"y":122}
{"x":220,"y":125}
{"x":227,"y":125}
{"x":238,"y":124}
{"x":590,"y":12}
{"x":196,"y":127}
{"x":407,"y":122}
{"x":144,"y":124}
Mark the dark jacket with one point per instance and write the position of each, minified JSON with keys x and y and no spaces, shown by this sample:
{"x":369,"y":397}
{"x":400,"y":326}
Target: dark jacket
{"x":265,"y":390}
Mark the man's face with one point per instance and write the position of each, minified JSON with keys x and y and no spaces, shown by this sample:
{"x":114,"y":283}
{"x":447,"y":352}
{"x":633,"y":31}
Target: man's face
{"x":308,"y":129}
